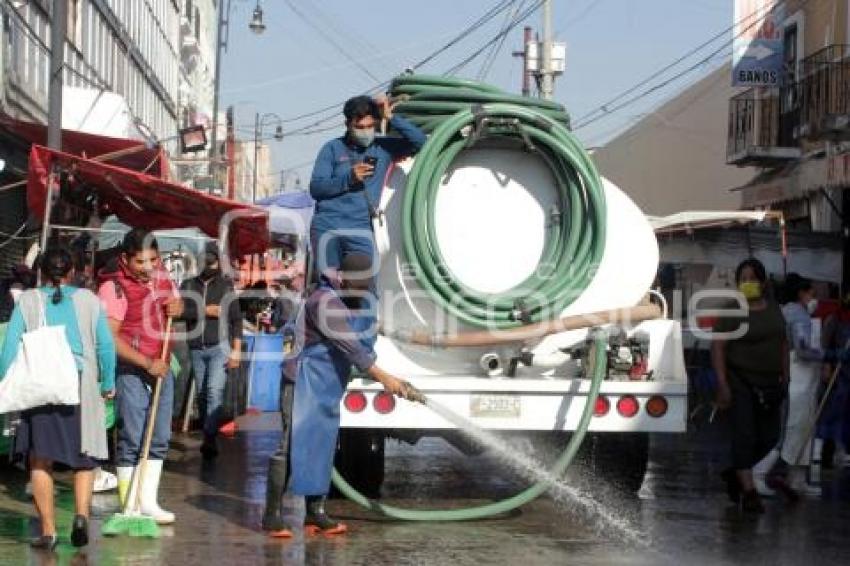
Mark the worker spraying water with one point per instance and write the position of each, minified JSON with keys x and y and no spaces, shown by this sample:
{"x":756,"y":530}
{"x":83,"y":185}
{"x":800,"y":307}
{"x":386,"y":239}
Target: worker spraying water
{"x":335,"y":322}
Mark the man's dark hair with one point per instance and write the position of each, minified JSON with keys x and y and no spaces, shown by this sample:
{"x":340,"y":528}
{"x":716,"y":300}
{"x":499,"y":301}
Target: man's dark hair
{"x":359,"y":107}
{"x":137,"y":240}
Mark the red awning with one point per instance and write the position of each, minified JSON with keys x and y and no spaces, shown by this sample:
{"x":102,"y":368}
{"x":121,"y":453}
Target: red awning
{"x":134,"y":155}
{"x":146,"y":201}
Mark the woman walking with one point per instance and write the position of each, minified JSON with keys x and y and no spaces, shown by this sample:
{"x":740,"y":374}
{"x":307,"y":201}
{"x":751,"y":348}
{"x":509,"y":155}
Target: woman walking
{"x":750,"y":357}
{"x":58,"y":437}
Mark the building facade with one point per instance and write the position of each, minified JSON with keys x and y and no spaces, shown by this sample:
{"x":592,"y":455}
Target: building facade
{"x":245,"y":171}
{"x":128,"y":48}
{"x":672,"y":159}
{"x":795,"y":139}
{"x":151,"y":61}
{"x":198,"y":51}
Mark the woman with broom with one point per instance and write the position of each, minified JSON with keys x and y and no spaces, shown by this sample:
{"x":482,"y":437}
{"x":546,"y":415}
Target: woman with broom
{"x":64,"y":436}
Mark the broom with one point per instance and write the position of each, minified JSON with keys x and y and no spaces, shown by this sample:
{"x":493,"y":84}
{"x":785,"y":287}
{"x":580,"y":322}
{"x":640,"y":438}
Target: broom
{"x":810,"y":431}
{"x":131,"y":521}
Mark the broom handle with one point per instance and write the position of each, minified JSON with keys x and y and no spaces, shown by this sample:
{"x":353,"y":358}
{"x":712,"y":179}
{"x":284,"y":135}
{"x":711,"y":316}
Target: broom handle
{"x":813,"y":423}
{"x":146,"y":446}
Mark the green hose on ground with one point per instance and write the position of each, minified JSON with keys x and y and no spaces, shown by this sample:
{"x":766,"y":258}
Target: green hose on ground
{"x":599,"y":362}
{"x":457,"y":113}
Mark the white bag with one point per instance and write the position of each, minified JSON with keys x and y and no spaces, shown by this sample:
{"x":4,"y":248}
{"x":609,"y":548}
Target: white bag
{"x":44,"y":371}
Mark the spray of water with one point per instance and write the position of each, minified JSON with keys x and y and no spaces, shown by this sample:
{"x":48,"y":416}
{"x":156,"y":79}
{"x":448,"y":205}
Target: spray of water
{"x":591,"y":511}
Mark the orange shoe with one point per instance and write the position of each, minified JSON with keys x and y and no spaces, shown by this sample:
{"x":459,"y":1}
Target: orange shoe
{"x":282,"y":533}
{"x":315,"y":530}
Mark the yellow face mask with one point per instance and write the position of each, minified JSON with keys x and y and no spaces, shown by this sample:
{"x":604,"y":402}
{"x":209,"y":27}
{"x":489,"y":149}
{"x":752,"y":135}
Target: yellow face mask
{"x":750,"y":289}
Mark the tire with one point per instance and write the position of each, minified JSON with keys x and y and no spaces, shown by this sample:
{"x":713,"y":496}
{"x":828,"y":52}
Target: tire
{"x":621,"y":459}
{"x":360,"y":460}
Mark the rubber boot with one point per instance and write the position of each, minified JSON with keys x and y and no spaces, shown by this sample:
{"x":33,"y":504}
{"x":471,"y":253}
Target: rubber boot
{"x":273,"y":522}
{"x":150,"y":488}
{"x":125,"y":477}
{"x":317,"y":521}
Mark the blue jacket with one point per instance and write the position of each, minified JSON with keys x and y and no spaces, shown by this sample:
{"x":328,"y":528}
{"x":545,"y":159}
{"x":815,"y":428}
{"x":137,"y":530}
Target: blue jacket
{"x":341,"y":201}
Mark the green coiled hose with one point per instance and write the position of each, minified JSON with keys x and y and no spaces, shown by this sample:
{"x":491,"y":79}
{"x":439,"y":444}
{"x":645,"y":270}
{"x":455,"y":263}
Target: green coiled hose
{"x":461,"y":112}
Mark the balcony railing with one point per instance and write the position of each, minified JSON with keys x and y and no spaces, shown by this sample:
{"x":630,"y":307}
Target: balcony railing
{"x":825,"y":94}
{"x":762,"y":126}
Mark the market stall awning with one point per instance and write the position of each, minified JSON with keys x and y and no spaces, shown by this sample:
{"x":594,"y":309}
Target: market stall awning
{"x":130,"y":154}
{"x":702,"y":219}
{"x":146,"y":201}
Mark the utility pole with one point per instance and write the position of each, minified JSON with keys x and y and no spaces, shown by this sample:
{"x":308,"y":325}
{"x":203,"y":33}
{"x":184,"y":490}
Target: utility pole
{"x":547,"y":86}
{"x":222,"y":35}
{"x":58,"y":31}
{"x":527,"y":38}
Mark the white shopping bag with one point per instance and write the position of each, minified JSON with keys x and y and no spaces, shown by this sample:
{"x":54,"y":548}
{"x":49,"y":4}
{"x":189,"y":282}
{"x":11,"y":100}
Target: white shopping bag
{"x":44,"y":371}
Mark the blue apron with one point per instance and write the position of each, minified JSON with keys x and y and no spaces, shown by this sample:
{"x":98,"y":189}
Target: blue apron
{"x":321,"y":378}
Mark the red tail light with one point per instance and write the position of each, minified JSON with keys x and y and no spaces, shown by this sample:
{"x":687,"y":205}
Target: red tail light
{"x":355,"y":401}
{"x":628,"y":406}
{"x":656,"y":406}
{"x":603,"y":405}
{"x":384,"y":403}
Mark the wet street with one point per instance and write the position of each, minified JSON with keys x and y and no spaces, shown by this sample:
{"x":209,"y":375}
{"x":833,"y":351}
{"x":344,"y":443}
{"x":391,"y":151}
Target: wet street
{"x":681,"y":515}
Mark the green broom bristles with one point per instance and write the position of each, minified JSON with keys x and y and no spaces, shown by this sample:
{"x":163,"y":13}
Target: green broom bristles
{"x":131,"y":525}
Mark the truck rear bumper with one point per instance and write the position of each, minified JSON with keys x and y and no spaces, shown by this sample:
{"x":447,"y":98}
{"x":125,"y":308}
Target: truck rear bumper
{"x":530,"y":404}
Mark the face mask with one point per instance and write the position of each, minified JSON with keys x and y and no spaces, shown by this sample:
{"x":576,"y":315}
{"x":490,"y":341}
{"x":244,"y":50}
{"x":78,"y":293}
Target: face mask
{"x":812,"y":306}
{"x":363,"y":136}
{"x":750,"y":289}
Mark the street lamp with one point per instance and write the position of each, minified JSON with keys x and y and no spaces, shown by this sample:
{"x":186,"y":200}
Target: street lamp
{"x":257,"y":25}
{"x":259,"y":122}
{"x":222,"y":38}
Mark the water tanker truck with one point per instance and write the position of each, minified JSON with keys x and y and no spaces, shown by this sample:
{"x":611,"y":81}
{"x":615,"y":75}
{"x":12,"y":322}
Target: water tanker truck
{"x":503,"y":257}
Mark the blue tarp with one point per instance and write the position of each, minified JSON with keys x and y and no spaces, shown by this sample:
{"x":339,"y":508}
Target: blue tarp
{"x":289,"y":213}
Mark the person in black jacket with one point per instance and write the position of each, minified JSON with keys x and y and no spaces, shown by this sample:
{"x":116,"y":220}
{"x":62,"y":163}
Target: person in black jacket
{"x":214,"y":327}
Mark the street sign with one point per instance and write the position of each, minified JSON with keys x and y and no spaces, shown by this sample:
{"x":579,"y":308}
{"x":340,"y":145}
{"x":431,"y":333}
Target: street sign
{"x":757,"y":47}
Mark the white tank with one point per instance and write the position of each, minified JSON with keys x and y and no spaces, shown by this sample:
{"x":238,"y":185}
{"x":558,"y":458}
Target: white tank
{"x":491,"y":215}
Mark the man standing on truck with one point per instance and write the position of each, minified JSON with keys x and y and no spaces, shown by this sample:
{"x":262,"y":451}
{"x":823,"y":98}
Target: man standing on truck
{"x":348,"y":177}
{"x":214,"y":327}
{"x":337,"y":335}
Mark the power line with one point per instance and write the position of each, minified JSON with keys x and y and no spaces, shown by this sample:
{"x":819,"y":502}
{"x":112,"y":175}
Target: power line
{"x":522,"y":17}
{"x":605,"y":108}
{"x":329,"y":38}
{"x":365,"y":47}
{"x":471,"y":28}
{"x":487,"y":64}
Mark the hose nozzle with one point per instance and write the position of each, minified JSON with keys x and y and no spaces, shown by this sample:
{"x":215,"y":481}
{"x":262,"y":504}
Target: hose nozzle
{"x":413,"y":394}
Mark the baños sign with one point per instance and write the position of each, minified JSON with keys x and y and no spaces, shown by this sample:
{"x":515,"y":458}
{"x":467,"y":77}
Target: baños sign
{"x":757,"y":43}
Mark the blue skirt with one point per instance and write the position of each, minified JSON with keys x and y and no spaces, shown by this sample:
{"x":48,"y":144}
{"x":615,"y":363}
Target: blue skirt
{"x":53,"y":432}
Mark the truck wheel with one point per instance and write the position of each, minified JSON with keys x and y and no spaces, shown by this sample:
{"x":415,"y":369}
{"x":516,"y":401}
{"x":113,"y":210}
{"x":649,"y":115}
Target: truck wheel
{"x":360,"y":460}
{"x":621,"y":459}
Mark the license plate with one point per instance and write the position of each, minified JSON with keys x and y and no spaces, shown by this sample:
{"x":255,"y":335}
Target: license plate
{"x":498,"y":406}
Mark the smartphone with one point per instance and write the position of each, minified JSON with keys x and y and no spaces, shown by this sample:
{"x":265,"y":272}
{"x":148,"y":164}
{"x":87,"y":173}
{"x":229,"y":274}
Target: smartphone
{"x":371,"y":160}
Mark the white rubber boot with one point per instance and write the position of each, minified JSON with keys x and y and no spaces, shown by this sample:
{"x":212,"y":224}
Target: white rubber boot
{"x":150,"y":488}
{"x":125,"y":478}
